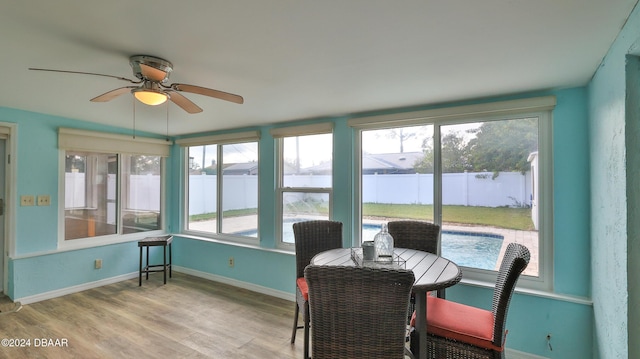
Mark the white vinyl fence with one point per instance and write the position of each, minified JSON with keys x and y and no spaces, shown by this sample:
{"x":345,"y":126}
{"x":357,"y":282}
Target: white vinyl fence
{"x":143,"y":194}
{"x":511,"y":189}
{"x":240,"y":192}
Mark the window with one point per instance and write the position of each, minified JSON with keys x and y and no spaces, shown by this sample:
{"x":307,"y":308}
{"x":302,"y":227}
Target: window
{"x":90,"y":195}
{"x":141,"y":193}
{"x":305,"y":176}
{"x":483,"y":175}
{"x":487,"y":190}
{"x":109,"y":192}
{"x":391,"y":180}
{"x":222,"y":186}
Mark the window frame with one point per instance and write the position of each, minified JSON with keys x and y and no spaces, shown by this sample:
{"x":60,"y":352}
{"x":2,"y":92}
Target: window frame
{"x":220,"y":141}
{"x":82,"y":141}
{"x":279,"y":134}
{"x":540,"y":107}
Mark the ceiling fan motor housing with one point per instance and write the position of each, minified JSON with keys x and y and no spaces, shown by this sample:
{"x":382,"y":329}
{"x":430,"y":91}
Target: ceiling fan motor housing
{"x":152,"y":61}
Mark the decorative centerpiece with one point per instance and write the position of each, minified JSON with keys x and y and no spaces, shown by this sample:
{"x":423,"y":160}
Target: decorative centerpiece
{"x":383,"y":243}
{"x":378,"y":253}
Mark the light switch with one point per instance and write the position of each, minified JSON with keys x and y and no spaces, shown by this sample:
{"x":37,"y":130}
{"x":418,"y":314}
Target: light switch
{"x":44,"y":200}
{"x":26,"y":200}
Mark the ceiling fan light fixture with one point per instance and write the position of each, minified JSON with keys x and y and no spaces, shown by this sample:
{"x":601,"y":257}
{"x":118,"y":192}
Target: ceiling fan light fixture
{"x":150,"y":97}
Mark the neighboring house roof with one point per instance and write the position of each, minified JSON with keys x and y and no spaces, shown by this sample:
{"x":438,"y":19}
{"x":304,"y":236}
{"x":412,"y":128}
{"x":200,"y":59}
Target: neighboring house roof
{"x":377,"y":163}
{"x":382,"y":163}
{"x":323,"y":168}
{"x":390,"y":162}
{"x":246,"y":168}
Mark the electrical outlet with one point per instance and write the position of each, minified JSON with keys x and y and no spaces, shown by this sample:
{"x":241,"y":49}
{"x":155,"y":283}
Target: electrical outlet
{"x":231,"y":262}
{"x":26,"y":200}
{"x":98,"y":263}
{"x":43,"y":200}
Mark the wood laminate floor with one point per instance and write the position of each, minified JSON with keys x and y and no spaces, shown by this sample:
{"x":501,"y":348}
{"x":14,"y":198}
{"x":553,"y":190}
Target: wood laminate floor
{"x":189,"y":317}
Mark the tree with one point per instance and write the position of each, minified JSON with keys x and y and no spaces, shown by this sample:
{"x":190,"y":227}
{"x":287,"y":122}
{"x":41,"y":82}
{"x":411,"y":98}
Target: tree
{"x":400,"y":134}
{"x":75,"y":163}
{"x":503,"y":145}
{"x":455,"y":156}
{"x":142,"y":164}
{"x":496,"y":146}
{"x":425,"y":165}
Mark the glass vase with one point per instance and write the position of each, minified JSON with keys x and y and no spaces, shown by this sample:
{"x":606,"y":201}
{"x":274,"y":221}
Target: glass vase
{"x":383,"y":243}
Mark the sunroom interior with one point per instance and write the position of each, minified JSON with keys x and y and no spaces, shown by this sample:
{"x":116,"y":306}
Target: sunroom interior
{"x":339,"y":98}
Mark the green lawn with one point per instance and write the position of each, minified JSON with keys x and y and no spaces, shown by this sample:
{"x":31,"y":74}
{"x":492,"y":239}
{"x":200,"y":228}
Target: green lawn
{"x":230,"y":213}
{"x":502,"y":217}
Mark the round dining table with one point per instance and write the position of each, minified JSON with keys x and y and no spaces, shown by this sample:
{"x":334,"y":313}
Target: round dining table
{"x":431,"y":272}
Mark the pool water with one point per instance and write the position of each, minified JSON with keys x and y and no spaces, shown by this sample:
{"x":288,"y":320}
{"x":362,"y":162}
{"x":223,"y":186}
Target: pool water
{"x":467,"y":249}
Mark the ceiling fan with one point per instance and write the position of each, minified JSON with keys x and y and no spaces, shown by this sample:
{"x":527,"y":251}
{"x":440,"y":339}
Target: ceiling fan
{"x":151,"y":88}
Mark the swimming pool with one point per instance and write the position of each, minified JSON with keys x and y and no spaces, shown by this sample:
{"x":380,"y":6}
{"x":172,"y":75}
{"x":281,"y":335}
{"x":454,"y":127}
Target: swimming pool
{"x":467,"y":249}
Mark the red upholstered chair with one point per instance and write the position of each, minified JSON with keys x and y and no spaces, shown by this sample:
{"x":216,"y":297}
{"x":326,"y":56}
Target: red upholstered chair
{"x":311,"y":238}
{"x":456,"y":330}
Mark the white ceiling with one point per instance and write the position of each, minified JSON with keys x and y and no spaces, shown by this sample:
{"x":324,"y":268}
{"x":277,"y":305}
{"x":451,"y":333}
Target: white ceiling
{"x":296,"y":59}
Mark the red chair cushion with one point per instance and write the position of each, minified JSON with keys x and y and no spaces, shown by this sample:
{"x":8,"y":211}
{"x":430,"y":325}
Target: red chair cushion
{"x":460,"y":322}
{"x":303,"y":287}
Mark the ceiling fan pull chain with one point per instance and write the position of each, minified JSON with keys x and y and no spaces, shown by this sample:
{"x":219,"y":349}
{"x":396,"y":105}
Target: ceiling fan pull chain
{"x":134,"y":117}
{"x":167,"y":121}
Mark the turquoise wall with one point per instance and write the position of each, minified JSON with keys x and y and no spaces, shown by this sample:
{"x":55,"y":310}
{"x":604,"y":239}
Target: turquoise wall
{"x":55,"y":271}
{"x":571,"y":195}
{"x":632,"y":136}
{"x":568,"y":321}
{"x":614,"y":152}
{"x":608,"y":215}
{"x":37,"y":266}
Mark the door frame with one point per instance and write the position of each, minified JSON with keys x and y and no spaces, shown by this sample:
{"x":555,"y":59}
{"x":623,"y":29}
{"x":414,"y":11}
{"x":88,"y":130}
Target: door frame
{"x":9,"y":130}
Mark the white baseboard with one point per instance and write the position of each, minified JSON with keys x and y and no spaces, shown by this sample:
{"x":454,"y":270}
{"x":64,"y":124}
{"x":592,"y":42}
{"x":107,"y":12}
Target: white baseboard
{"x":514,"y":354}
{"x":236,"y":283}
{"x":216,"y":278}
{"x":74,"y":289}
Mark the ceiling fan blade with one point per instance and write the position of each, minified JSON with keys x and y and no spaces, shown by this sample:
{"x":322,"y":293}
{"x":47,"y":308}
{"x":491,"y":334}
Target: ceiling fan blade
{"x":86,"y":73}
{"x":208,"y":92}
{"x":183,"y":102}
{"x":108,"y":96}
{"x":152,"y":73}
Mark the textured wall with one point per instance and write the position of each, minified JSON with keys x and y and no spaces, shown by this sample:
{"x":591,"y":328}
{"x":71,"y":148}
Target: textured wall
{"x":632,"y":132}
{"x":609,"y":218}
{"x":633,"y":183}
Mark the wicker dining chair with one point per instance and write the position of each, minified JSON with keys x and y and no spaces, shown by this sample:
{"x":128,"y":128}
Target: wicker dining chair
{"x":311,"y":238}
{"x":418,"y":235}
{"x":358,"y":312}
{"x":458,"y":331}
